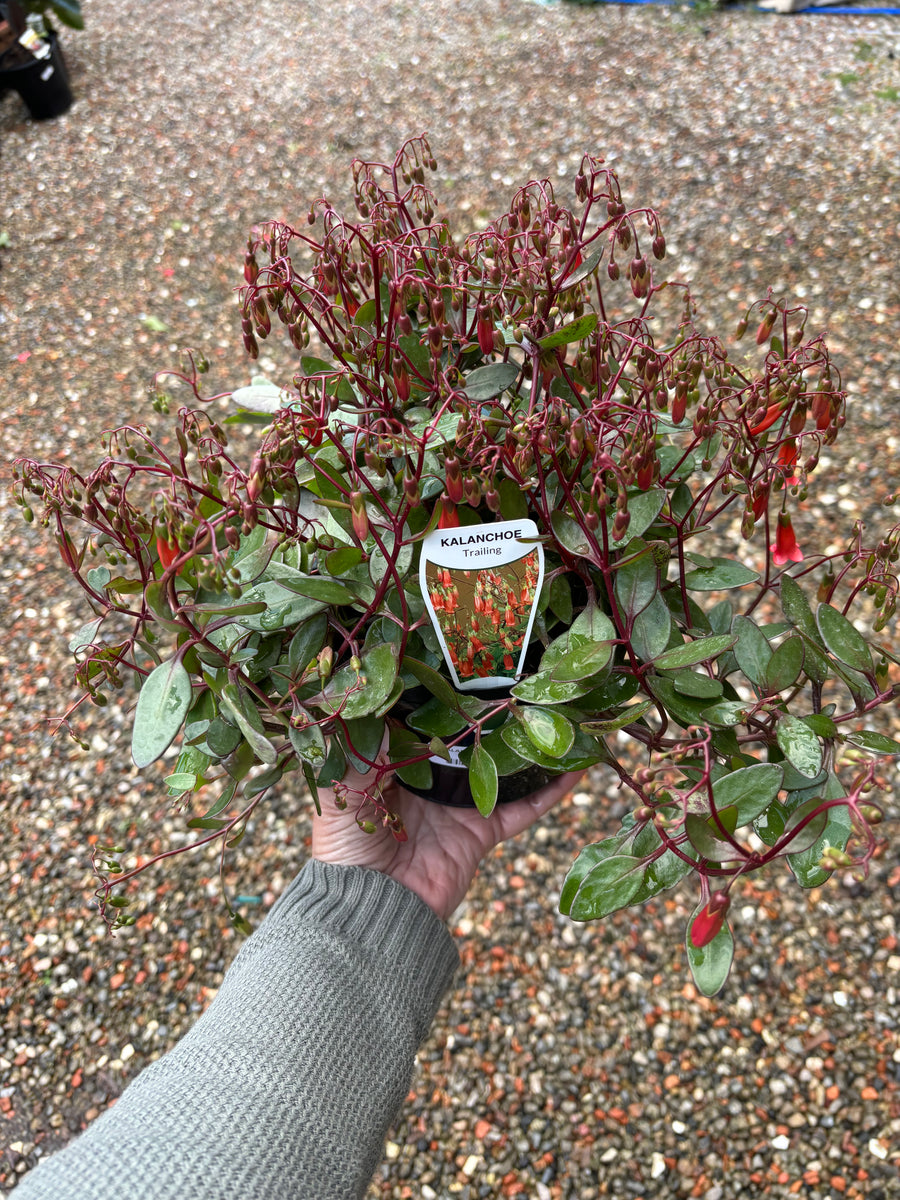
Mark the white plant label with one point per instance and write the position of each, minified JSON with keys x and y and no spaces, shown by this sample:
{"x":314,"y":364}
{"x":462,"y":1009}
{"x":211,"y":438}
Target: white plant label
{"x":481,"y":584}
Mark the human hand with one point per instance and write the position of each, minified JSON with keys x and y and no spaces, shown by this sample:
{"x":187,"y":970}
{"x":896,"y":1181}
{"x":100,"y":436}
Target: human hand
{"x":443,"y":846}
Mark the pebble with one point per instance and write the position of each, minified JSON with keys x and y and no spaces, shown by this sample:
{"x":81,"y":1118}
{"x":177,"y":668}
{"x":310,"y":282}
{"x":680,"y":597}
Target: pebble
{"x":729,"y":136}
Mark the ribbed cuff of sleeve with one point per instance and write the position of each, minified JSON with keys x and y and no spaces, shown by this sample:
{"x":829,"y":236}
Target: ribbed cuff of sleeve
{"x":379,"y":916}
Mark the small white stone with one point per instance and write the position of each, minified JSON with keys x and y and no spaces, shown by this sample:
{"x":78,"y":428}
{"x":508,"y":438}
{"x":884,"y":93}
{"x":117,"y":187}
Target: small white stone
{"x":678,"y":1127}
{"x":877,"y":1148}
{"x":608,"y":1155}
{"x":391,"y":1150}
{"x":781,"y":1142}
{"x":657,"y":1165}
{"x":470,"y":1166}
{"x":840,"y":999}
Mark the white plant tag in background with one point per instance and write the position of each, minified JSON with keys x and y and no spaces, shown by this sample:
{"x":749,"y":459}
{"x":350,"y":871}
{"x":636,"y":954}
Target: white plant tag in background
{"x":481,"y":584}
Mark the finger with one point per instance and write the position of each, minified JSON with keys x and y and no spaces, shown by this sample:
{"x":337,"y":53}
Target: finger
{"x":513,"y":818}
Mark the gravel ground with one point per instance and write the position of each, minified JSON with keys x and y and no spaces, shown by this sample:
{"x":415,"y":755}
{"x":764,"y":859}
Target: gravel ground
{"x":570,"y":1061}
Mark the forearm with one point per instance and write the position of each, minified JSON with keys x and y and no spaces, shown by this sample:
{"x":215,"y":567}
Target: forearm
{"x":287,"y":1085}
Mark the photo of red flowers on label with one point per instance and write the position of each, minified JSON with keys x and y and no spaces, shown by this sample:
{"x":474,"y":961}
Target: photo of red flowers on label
{"x":480,"y":584}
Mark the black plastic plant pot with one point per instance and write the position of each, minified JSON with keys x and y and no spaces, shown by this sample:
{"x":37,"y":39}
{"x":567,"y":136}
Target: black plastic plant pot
{"x":43,"y":83}
{"x":450,"y":785}
{"x":450,"y":781}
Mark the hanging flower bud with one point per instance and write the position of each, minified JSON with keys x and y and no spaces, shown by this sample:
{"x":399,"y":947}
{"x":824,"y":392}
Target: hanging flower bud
{"x":786,"y":548}
{"x":709,"y":920}
{"x":324,"y":662}
{"x":765,"y":327}
{"x":67,"y":550}
{"x":454,"y":481}
{"x":798,"y":420}
{"x":411,"y":489}
{"x":485,"y":330}
{"x":473,"y":491}
{"x":359,"y":516}
{"x":620,"y":525}
{"x":401,"y":382}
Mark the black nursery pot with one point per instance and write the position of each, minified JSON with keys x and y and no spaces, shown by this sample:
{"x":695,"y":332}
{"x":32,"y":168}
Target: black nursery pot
{"x":450,"y":783}
{"x":43,"y":83}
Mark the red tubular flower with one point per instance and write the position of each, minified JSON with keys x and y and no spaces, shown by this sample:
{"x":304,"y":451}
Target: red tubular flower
{"x":786,"y":548}
{"x":709,"y":920}
{"x":645,"y":476}
{"x":760,"y":500}
{"x":508,"y":662}
{"x":787,"y":458}
{"x":821,"y":411}
{"x":485,"y":335}
{"x":167,"y":554}
{"x":773,"y":412}
{"x":449,"y":518}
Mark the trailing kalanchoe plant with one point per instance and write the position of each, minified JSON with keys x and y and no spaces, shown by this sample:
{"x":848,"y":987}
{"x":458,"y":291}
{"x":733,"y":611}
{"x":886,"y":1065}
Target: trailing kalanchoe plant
{"x":283,"y":610}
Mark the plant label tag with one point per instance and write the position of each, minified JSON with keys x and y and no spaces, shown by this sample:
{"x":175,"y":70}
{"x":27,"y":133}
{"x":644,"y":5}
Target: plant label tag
{"x":481,"y":584}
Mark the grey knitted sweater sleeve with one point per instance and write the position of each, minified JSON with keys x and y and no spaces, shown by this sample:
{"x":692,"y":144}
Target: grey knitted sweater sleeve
{"x":285,"y":1088}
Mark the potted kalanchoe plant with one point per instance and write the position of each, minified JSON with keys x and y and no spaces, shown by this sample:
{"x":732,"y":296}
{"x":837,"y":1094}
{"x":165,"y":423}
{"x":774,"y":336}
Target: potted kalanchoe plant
{"x":497,"y":527}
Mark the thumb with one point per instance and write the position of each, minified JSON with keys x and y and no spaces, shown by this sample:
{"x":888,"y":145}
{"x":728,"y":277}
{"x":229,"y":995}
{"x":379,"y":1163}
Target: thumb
{"x":513,"y":818}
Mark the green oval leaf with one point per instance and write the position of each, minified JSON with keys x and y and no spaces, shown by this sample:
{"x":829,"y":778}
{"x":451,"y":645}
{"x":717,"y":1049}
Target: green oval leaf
{"x":750,"y":790}
{"x":801,"y":835}
{"x":584,"y":752}
{"x":698,"y":651}
{"x":610,"y":724}
{"x":701,"y":687}
{"x":435,"y":719}
{"x":708,"y":840}
{"x":784,"y":666}
{"x":550,"y":731}
{"x":569,"y":534}
{"x":330,"y":591}
{"x":588,"y":858}
{"x":162,"y":706}
{"x":573,"y":332}
{"x":242,"y":712}
{"x":799,"y":745}
{"x":843,"y":639}
{"x":652,"y":629}
{"x":352,"y":694}
{"x":587,"y":267}
{"x":606,"y":888}
{"x":433,"y":680}
{"x":180,"y":781}
{"x":308,"y":743}
{"x":582,"y":662}
{"x":751,"y":650}
{"x":483,"y":780}
{"x":637,"y":582}
{"x":544,"y":689}
{"x":875,"y":743}
{"x":222,"y":737}
{"x":722,"y":574}
{"x":484,"y":383}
